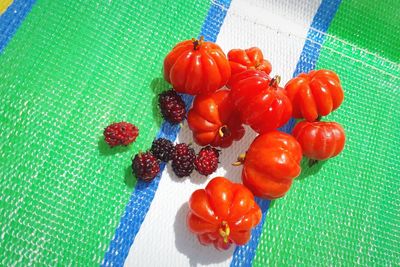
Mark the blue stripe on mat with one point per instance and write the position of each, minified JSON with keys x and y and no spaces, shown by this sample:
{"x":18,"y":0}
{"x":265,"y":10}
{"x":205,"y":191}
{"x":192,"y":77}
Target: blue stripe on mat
{"x":12,"y":19}
{"x":244,"y":255}
{"x":143,"y":194}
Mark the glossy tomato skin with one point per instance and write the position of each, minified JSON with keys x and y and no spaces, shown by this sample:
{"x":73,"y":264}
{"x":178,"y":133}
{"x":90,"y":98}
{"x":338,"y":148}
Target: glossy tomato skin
{"x":196,"y":67}
{"x":320,"y":140}
{"x":262,"y":104}
{"x":251,"y":58}
{"x":214,"y":121}
{"x":223,"y":213}
{"x":315,"y":94}
{"x":271,"y":164}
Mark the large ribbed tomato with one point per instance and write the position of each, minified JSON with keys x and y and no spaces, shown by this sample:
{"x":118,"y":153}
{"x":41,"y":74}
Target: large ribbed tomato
{"x":271,"y":164}
{"x":196,"y":67}
{"x":315,"y":94}
{"x":262,"y":104}
{"x":320,"y":140}
{"x":214,"y":121}
{"x":251,"y":58}
{"x":223,"y":213}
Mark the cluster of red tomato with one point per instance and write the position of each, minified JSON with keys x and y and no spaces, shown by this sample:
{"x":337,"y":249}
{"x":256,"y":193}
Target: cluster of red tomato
{"x":235,"y":90}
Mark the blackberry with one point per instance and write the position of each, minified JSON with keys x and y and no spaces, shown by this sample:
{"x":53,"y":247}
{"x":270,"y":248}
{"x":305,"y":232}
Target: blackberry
{"x":162,"y":149}
{"x":172,"y":106}
{"x":183,"y":160}
{"x":120,"y":133}
{"x":145,"y":166}
{"x":207,"y":160}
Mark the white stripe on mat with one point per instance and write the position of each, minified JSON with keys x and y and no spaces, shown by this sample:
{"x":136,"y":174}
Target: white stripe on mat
{"x":279,"y":28}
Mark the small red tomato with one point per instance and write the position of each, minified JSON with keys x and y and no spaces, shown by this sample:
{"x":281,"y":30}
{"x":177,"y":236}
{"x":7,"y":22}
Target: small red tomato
{"x":271,"y":164}
{"x":252,"y":58}
{"x":320,"y":140}
{"x":262,"y":104}
{"x":317,"y":93}
{"x":223,"y":213}
{"x":196,"y":67}
{"x":214,"y":121}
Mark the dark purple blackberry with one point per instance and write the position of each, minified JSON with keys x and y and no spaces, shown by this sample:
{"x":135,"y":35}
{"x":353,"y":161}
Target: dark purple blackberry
{"x":162,"y":149}
{"x":172,"y":106}
{"x":183,"y":160}
{"x":207,"y":160}
{"x":145,"y":166}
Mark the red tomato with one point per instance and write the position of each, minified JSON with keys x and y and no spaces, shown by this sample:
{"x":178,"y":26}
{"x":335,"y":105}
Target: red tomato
{"x":261,"y":103}
{"x":317,"y":93}
{"x":252,"y":58}
{"x":214,"y":121}
{"x":320,"y":140}
{"x":196,"y":67}
{"x":271,"y":164}
{"x":223,"y":213}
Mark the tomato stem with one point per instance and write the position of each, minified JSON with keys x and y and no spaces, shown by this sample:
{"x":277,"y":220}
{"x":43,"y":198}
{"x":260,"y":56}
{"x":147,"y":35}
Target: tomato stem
{"x":275,"y":81}
{"x":197,"y":43}
{"x":240,"y":160}
{"x":225,"y":231}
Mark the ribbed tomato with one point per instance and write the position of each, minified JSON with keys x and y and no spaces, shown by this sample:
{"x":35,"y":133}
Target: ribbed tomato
{"x":320,"y":140}
{"x":223,"y":213}
{"x":214,"y":121}
{"x":262,"y":104}
{"x":271,"y":164}
{"x":315,"y":94}
{"x":196,"y":67}
{"x":251,"y":58}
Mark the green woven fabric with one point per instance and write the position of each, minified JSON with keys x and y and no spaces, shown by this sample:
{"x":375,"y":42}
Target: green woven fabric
{"x":372,"y":25}
{"x":347,"y":211}
{"x":71,"y":69}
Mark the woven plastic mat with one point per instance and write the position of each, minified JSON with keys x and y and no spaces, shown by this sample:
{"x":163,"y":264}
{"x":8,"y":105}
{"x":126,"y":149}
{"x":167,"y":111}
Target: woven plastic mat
{"x":72,"y":68}
{"x":346,"y":211}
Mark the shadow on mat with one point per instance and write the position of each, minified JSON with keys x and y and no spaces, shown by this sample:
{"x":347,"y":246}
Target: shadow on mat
{"x":307,"y":170}
{"x":158,"y":85}
{"x":106,"y":150}
{"x":129,"y":179}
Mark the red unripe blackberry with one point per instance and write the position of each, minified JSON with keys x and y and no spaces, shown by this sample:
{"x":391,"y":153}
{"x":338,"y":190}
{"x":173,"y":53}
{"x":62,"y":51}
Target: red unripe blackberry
{"x":207,"y":160}
{"x":145,"y":166}
{"x":120,"y":133}
{"x":183,"y":160}
{"x":172,"y":106}
{"x":162,"y":149}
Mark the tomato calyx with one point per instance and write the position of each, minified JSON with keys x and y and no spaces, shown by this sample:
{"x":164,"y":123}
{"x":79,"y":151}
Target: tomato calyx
{"x":240,"y":160}
{"x":224,"y":131}
{"x":274,"y":83}
{"x":224,"y":231}
{"x":312,"y":162}
{"x":197,"y":43}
